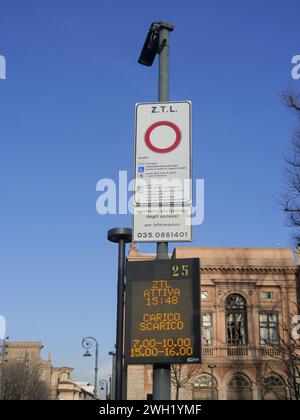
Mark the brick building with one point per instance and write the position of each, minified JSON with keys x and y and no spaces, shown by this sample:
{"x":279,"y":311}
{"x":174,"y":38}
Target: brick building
{"x":248,"y":295}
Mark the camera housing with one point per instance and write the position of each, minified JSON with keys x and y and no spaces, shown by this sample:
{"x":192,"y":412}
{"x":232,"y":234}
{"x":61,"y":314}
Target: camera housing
{"x":151,"y":46}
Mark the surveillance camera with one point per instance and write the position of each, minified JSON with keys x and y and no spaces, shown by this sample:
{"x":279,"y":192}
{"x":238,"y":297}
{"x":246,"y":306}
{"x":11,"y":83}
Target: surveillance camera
{"x":150,"y":46}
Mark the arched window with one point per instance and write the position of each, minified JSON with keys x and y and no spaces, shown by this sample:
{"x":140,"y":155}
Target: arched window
{"x":239,"y":381}
{"x":236,"y":320}
{"x":204,"y":381}
{"x":273,"y":388}
{"x":204,"y":386}
{"x":239,"y":387}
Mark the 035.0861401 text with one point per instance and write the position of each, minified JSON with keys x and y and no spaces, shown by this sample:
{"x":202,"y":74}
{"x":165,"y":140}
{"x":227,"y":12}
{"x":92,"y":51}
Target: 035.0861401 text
{"x":162,"y":235}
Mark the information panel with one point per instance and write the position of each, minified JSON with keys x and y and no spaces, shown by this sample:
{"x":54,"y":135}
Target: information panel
{"x":161,"y":224}
{"x":162,"y":312}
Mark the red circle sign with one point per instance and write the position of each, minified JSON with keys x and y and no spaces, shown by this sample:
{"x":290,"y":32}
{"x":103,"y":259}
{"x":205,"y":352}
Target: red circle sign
{"x":166,"y":149}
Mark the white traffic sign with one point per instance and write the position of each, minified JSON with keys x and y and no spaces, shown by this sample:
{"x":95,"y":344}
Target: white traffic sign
{"x":163,"y":153}
{"x":162,"y":224}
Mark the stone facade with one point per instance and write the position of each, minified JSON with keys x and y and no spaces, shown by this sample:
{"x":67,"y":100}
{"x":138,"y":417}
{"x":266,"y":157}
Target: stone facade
{"x":247,"y":296}
{"x":59,"y":379}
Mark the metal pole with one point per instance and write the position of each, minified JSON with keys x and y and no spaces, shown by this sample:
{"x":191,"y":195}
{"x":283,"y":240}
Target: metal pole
{"x":113,"y":376}
{"x":120,"y":236}
{"x":163,"y":67}
{"x":120,"y":321}
{"x":110,"y":379}
{"x":96,"y":372}
{"x":87,"y":344}
{"x":163,"y":96}
{"x":162,"y":373}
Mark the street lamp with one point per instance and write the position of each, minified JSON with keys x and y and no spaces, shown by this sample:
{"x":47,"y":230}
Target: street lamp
{"x":120,"y":236}
{"x":102,"y":383}
{"x":212,"y":366}
{"x":87,"y":344}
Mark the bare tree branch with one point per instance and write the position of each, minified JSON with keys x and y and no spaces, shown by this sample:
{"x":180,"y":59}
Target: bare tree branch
{"x":291,"y":198}
{"x":287,"y":355}
{"x":183,"y":375}
{"x":23,"y":381}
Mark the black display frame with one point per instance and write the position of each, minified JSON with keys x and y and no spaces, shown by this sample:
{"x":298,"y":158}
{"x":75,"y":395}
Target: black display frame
{"x":161,"y":270}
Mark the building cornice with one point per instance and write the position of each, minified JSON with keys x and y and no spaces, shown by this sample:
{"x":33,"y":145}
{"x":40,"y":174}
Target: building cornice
{"x":233,"y":281}
{"x":249,"y":269}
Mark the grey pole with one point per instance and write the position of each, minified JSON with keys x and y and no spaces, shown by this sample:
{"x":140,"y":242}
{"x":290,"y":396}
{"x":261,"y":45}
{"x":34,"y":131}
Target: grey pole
{"x":163,"y":96}
{"x":96,"y":371}
{"x":113,"y":376}
{"x":163,"y":67}
{"x":87,"y":344}
{"x":120,"y":321}
{"x":120,"y":236}
{"x":162,"y":372}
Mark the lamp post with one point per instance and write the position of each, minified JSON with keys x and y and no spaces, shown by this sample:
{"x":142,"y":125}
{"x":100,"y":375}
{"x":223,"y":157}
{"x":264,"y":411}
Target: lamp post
{"x":87,"y":344}
{"x":102,"y":383}
{"x":113,"y":376}
{"x":120,"y":236}
{"x":212,"y":366}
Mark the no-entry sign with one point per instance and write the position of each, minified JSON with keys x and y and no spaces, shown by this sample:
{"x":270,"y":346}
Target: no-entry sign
{"x":160,"y":148}
{"x":163,"y":153}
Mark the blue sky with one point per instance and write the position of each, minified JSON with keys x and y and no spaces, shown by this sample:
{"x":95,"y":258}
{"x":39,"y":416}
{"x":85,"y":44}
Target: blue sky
{"x":67,"y":120}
